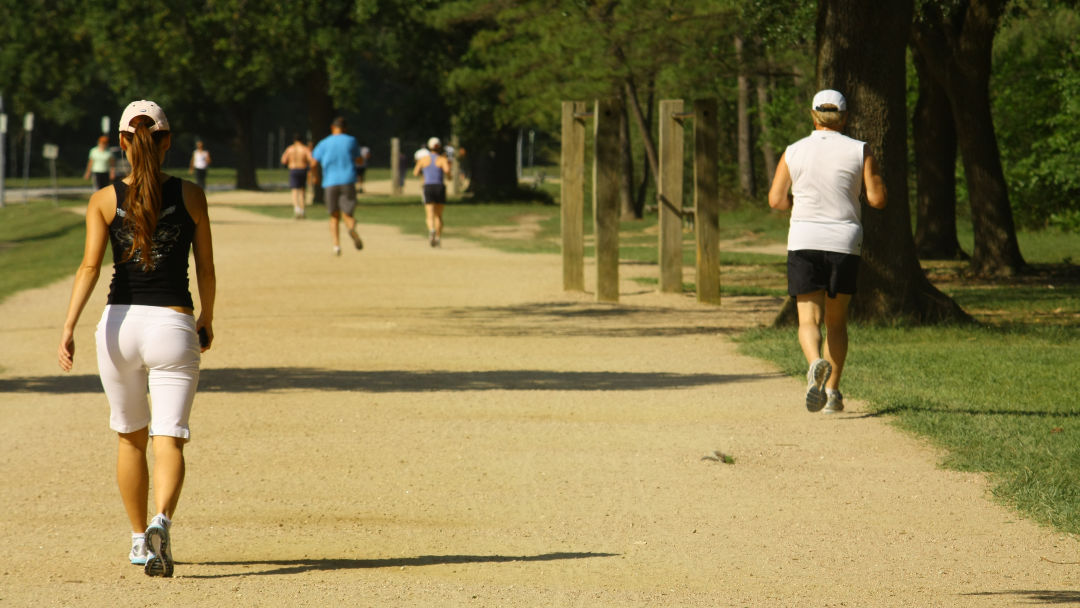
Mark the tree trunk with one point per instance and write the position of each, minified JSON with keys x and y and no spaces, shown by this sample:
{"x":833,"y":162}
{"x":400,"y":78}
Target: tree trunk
{"x":320,"y":111}
{"x":935,"y":164}
{"x":957,"y":49}
{"x":639,"y":199}
{"x":243,"y":121}
{"x":744,"y":143}
{"x":768,"y":153}
{"x":861,"y":53}
{"x":626,"y":166}
{"x":493,"y":163}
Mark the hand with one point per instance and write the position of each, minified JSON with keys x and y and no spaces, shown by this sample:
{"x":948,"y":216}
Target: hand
{"x":65,"y":353}
{"x":199,"y":326}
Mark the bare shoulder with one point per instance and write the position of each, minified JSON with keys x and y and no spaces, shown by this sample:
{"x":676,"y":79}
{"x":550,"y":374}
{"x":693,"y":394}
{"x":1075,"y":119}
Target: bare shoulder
{"x":103,"y":204}
{"x":194,"y":201}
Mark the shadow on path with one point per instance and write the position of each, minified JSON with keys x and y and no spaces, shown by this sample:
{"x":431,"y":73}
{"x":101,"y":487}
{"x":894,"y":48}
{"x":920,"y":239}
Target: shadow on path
{"x":298,"y":566}
{"x":258,"y":379}
{"x":1033,"y":596}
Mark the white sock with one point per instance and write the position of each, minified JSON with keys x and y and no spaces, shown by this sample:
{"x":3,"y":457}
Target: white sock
{"x":137,"y":535}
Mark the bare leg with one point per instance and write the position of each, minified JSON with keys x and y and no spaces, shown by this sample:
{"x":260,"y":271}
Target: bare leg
{"x":836,"y":336}
{"x":335,"y":237}
{"x":169,"y":472}
{"x":133,"y":477}
{"x":429,"y":216}
{"x":438,"y":222}
{"x":811,"y":308}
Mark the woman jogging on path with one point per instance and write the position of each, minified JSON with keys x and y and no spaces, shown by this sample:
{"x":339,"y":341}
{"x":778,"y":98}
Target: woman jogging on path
{"x":148,"y":335}
{"x":825,"y":172}
{"x":434,"y":168}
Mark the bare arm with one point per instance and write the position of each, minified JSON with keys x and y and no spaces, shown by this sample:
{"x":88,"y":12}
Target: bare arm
{"x":420,"y":164}
{"x":444,"y":164}
{"x":203,"y":248}
{"x":876,"y":196}
{"x":780,"y":193}
{"x":97,"y":234}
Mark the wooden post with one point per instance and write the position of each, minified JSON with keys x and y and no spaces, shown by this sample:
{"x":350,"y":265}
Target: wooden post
{"x":395,"y":166}
{"x":669,"y":196}
{"x":572,"y":195}
{"x":455,"y":167}
{"x":707,"y":201}
{"x":606,"y":199}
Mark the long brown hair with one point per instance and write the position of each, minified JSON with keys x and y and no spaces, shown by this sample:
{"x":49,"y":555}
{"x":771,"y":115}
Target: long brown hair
{"x":142,"y":205}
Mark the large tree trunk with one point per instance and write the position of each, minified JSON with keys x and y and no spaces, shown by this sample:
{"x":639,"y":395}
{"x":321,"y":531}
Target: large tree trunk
{"x":935,"y":165}
{"x":626,"y":166}
{"x":493,"y":163}
{"x":861,"y":53}
{"x":745,"y":142}
{"x":243,"y":116}
{"x":768,"y":153}
{"x":957,"y":50}
{"x":320,"y":111}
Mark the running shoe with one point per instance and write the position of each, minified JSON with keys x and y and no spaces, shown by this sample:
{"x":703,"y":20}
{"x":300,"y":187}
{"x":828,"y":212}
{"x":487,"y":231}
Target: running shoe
{"x":159,"y":560}
{"x":138,"y":550}
{"x":356,"y":238}
{"x":835,"y":403}
{"x":336,"y":250}
{"x":816,"y":377}
{"x":433,"y":239}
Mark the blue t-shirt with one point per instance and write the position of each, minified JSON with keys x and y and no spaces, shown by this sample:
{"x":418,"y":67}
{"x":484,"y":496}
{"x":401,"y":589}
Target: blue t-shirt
{"x":336,"y":155}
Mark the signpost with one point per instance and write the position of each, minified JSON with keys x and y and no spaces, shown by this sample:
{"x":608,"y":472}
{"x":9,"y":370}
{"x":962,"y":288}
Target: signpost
{"x":50,"y":152}
{"x":3,"y":136}
{"x":28,"y":126}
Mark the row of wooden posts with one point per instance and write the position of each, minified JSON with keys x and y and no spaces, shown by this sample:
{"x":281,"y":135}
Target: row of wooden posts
{"x":706,"y":197}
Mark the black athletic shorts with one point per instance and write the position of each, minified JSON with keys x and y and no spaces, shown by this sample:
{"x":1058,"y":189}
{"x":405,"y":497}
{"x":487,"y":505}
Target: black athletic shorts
{"x":810,"y":270}
{"x":298,"y":179}
{"x":434,"y":194}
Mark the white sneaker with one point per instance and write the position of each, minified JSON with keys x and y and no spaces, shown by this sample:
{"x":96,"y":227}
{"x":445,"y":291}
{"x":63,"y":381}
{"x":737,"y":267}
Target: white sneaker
{"x":835,"y":403}
{"x":159,"y":560}
{"x":336,"y":250}
{"x":138,"y":550}
{"x":816,"y":377}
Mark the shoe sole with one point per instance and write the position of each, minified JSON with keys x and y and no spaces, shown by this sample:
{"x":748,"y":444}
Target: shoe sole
{"x":356,"y":239}
{"x":815,"y":390}
{"x":159,"y":561}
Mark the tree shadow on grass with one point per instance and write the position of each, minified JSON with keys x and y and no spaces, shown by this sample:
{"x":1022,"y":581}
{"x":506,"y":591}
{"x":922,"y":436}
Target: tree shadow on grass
{"x":259,"y":379}
{"x":1034,"y":596}
{"x":299,"y":566}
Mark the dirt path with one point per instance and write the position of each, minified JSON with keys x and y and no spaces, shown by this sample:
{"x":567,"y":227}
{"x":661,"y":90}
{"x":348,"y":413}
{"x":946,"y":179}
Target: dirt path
{"x":405,"y":426}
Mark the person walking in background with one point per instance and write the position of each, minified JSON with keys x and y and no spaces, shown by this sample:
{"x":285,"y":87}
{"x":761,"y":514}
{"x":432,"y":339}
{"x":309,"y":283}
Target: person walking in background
{"x":361,"y":167}
{"x":298,"y":159}
{"x":101,"y":164}
{"x":336,"y":157}
{"x":435,"y":169}
{"x":825,"y":173}
{"x":148,"y":337}
{"x":200,"y":162}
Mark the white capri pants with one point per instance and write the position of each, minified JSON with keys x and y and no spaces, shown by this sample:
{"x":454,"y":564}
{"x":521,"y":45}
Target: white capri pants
{"x":148,"y":346}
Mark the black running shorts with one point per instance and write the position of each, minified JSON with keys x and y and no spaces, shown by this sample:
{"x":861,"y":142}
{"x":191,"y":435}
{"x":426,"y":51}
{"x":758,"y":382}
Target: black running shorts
{"x":811,"y":270}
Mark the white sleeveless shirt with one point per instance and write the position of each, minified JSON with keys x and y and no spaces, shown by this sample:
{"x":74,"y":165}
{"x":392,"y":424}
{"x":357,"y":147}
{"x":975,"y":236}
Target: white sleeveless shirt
{"x":826,"y":179}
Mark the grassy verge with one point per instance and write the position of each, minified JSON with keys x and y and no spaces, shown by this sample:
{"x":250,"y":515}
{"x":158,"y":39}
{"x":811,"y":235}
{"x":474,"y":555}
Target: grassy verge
{"x":1001,"y":398}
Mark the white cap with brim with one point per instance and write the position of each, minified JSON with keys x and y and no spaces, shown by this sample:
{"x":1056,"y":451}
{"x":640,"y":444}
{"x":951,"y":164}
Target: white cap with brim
{"x":829,"y":97}
{"x":433,"y":142}
{"x":144,"y":108}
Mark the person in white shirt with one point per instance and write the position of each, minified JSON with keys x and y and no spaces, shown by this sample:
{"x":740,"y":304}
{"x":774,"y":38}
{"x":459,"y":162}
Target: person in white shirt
{"x":820,"y":178}
{"x":200,"y":162}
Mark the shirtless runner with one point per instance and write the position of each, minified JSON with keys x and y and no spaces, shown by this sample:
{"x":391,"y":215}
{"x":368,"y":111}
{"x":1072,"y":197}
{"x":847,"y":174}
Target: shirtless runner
{"x":297,"y":158}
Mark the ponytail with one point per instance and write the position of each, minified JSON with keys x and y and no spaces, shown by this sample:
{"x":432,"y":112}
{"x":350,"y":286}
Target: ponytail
{"x":142,"y":205}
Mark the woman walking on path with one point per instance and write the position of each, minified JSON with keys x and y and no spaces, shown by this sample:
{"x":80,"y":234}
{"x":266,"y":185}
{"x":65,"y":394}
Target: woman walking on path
{"x":435,"y":168}
{"x":200,"y":163}
{"x":825,"y":172}
{"x":100,"y":164}
{"x":148,"y":335}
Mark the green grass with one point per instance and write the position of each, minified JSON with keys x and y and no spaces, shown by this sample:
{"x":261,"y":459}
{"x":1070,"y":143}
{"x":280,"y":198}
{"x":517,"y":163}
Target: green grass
{"x":1000,"y":398}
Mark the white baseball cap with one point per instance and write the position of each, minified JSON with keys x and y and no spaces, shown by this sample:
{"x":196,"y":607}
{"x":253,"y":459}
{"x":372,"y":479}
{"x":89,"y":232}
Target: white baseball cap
{"x":829,"y":97}
{"x":144,"y":107}
{"x":431,"y":143}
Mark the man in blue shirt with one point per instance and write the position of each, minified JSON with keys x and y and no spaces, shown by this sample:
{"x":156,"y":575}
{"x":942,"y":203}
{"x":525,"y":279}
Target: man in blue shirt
{"x":337,"y":156}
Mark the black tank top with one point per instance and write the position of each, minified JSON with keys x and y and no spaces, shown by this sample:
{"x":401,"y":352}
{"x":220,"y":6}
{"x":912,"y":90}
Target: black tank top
{"x":167,"y":283}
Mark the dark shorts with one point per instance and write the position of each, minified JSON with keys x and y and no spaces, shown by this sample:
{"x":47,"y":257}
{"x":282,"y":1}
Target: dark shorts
{"x":360,"y":171}
{"x":810,"y":270}
{"x":434,"y":194}
{"x":100,"y":180}
{"x":341,"y":198}
{"x":297,"y":179}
